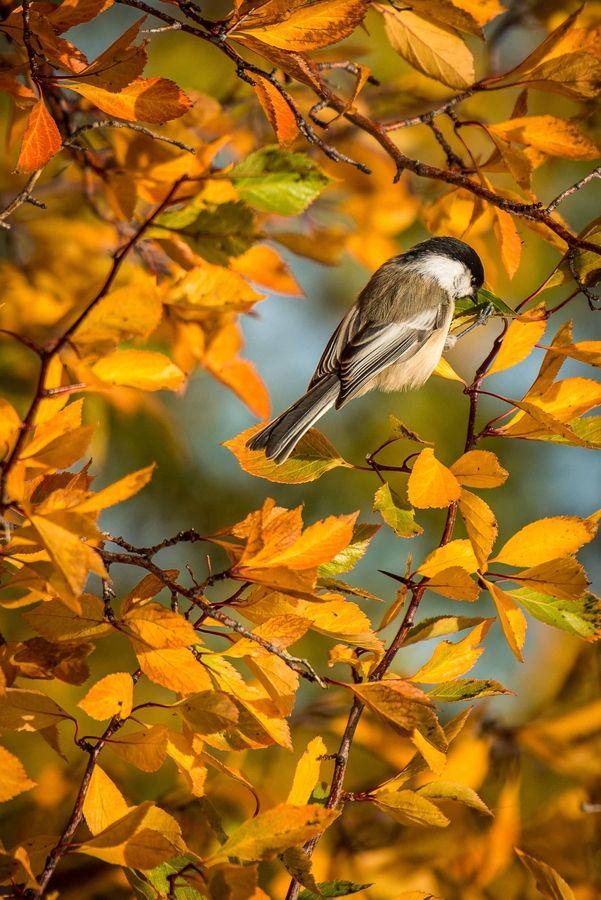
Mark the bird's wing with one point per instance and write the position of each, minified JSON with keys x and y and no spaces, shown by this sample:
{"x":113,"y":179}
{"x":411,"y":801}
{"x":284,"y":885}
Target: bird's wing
{"x":377,"y":345}
{"x":330,"y":358}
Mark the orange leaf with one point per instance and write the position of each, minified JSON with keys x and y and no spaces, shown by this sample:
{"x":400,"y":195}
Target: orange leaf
{"x":41,"y":139}
{"x":308,"y":28}
{"x":278,"y":112}
{"x":155,"y":100}
{"x":431,"y":484}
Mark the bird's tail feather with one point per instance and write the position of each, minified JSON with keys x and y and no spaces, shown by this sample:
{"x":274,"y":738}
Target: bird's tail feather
{"x":281,"y":436}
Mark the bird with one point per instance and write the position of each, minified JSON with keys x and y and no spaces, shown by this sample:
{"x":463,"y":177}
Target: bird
{"x":391,"y":339}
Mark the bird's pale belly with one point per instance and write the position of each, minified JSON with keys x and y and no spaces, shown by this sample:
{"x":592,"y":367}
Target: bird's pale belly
{"x":412,"y":373}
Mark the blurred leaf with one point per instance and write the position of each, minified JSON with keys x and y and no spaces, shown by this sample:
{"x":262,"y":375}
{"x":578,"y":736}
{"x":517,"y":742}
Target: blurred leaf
{"x":548,"y":881}
{"x":334,"y":889}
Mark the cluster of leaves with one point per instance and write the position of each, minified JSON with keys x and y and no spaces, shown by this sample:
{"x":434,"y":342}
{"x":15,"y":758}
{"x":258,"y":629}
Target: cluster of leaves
{"x":198,"y":213}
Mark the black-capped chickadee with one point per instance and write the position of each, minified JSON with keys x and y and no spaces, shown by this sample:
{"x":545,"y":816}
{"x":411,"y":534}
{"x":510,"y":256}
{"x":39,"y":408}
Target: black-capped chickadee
{"x":391,"y":339}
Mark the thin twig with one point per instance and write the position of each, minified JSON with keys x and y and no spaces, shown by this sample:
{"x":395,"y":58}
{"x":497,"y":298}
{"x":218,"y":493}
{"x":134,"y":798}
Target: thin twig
{"x":132,"y":126}
{"x":596,"y":173}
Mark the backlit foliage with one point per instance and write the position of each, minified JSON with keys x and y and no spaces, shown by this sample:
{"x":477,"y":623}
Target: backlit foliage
{"x":141,"y":223}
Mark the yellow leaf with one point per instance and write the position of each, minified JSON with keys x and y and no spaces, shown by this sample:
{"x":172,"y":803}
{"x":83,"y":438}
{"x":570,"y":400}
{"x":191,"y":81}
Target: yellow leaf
{"x":155,"y":100}
{"x":13,"y":777}
{"x":58,"y":623}
{"x":211,"y":288}
{"x":452,"y":15}
{"x":509,"y":240}
{"x":410,"y":808}
{"x":479,"y":468}
{"x":511,"y":617}
{"x":22,"y":710}
{"x":558,"y":577}
{"x":175,"y":668}
{"x":455,"y":553}
{"x":156,"y":627}
{"x":273,"y":831}
{"x":208,"y":711}
{"x":118,"y":491}
{"x":318,"y":544}
{"x":404,"y":707}
{"x":111,"y":696}
{"x":189,"y":762}
{"x":444,"y":369}
{"x":146,"y":750}
{"x":312,"y":457}
{"x":480,"y":524}
{"x":553,"y":136}
{"x":128,"y":312}
{"x":72,"y":557}
{"x":431,"y":484}
{"x":9,"y":426}
{"x":104,"y":803}
{"x":144,"y":369}
{"x":434,"y":757}
{"x":308,"y":28}
{"x":130,"y":841}
{"x":449,"y":660}
{"x":482,"y":10}
{"x":546,"y":539}
{"x":454,"y":583}
{"x":307,"y":772}
{"x":264,"y":266}
{"x":548,"y":882}
{"x":521,"y":337}
{"x":436,"y":51}
{"x":448,"y":790}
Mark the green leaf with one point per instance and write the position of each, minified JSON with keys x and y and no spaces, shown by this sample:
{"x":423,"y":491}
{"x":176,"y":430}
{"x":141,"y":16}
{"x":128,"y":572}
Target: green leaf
{"x":579,"y":617}
{"x":483,"y":296}
{"x":279,"y":181}
{"x":334,"y":889}
{"x":402,"y":521}
{"x":156,"y":880}
{"x":466,"y":689}
{"x":439,"y":625}
{"x":348,"y":558}
{"x":214,"y":231}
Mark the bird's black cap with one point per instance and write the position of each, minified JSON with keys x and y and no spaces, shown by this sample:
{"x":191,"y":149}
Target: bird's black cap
{"x":455,"y":249}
